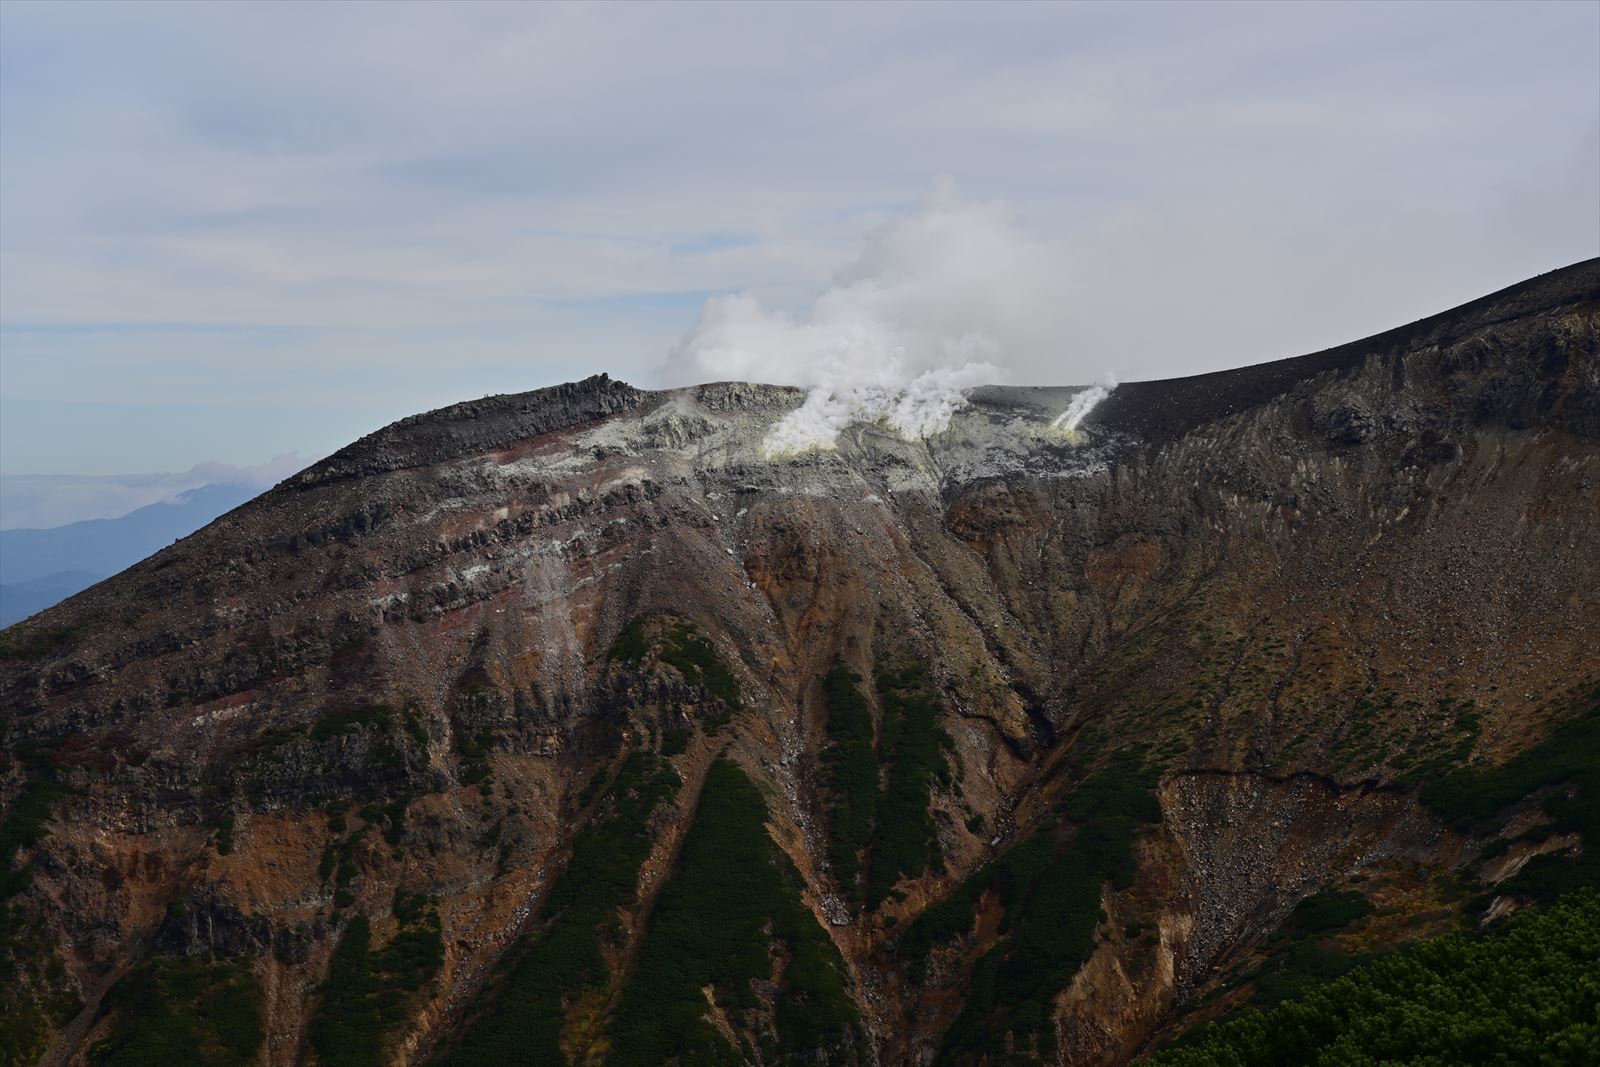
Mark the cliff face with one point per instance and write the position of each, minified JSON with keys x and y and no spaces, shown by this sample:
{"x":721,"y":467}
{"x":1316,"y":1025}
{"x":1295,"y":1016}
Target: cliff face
{"x":1115,"y":704}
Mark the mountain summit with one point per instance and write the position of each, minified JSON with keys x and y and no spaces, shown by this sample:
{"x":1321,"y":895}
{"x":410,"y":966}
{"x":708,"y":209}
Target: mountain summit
{"x":572,"y":726}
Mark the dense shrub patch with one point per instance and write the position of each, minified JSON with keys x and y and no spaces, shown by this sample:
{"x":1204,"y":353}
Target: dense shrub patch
{"x":1049,"y":886}
{"x":731,"y":916}
{"x":1299,"y":957}
{"x":24,"y":823}
{"x":1300,"y":967}
{"x":342,"y":723}
{"x":522,"y":1012}
{"x":1527,"y":995}
{"x":367,"y":992}
{"x":182,"y":1011}
{"x":1328,"y":910}
{"x":904,"y":843}
{"x":683,"y":647}
{"x":1570,"y":757}
{"x":1012,"y":875}
{"x":850,"y":776}
{"x":34,"y":995}
{"x":697,"y":660}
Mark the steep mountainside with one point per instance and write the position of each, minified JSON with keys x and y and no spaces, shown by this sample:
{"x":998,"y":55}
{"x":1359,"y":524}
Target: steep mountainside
{"x":569,"y":725}
{"x":39,"y":568}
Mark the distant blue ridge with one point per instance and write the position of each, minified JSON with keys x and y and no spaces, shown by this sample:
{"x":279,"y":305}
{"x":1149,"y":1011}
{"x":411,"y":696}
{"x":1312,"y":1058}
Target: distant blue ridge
{"x":39,"y":568}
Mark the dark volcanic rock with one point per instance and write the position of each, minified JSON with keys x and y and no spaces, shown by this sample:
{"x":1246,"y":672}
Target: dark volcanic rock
{"x":404,"y":683}
{"x":474,"y":426}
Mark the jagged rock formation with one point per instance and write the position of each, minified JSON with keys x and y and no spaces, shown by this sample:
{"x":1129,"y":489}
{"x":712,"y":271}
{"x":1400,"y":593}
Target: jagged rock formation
{"x":1152,"y":684}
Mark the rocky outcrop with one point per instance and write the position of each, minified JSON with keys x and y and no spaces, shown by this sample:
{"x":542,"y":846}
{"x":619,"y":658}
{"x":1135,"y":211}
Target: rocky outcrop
{"x":472,"y":427}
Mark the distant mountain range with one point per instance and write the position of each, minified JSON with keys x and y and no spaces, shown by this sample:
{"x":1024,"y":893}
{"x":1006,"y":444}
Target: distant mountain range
{"x":39,"y":568}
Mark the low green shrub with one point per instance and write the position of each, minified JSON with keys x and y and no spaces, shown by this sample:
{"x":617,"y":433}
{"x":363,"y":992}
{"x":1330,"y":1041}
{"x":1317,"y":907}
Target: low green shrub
{"x":904,"y":843}
{"x":681,"y":646}
{"x":367,"y":992}
{"x":182,"y":1011}
{"x":343,"y":723}
{"x":1570,"y":758}
{"x":1049,"y":887}
{"x":1328,"y":910}
{"x":697,"y":660}
{"x":1527,"y":994}
{"x":729,"y":913}
{"x":24,"y":641}
{"x":518,"y":1018}
{"x":850,"y":776}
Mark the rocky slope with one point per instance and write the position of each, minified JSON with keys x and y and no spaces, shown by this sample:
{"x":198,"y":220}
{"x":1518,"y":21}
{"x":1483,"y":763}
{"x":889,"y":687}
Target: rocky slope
{"x":570,"y":724}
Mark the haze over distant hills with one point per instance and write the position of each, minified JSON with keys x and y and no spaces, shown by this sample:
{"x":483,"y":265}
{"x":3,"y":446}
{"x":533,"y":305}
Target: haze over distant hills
{"x":61,"y":533}
{"x":40,"y":567}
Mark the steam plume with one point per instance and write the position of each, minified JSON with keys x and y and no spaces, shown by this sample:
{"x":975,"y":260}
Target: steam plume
{"x":1081,"y":404}
{"x":937,"y":303}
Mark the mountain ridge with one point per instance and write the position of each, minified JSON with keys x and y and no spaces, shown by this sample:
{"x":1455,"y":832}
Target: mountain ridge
{"x":562,"y":406}
{"x":1178,"y":673}
{"x":1569,"y":286}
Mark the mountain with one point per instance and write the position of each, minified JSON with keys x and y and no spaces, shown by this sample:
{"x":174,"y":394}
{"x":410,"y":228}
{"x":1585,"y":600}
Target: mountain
{"x":36,"y":563}
{"x":18,"y":600}
{"x":569,"y":726}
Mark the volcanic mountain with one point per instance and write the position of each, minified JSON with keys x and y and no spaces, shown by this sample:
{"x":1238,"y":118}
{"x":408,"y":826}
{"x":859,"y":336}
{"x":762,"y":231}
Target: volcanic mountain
{"x":570,"y":726}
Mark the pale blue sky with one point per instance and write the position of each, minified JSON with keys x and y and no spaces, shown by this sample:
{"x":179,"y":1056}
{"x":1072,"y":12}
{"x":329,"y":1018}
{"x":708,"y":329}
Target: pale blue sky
{"x":228,"y":231}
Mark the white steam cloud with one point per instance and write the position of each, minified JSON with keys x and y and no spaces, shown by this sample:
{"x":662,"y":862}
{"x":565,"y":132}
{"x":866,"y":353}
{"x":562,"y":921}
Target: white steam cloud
{"x":1081,"y":404}
{"x":938,"y":302}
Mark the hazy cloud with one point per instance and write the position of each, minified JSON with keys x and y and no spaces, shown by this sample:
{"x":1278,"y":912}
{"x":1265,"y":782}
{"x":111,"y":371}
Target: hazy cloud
{"x":951,"y":296}
{"x":41,"y":501}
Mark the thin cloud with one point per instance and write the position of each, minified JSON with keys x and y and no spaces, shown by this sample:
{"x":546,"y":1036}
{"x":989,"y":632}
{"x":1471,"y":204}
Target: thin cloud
{"x":456,"y":199}
{"x":42,"y":501}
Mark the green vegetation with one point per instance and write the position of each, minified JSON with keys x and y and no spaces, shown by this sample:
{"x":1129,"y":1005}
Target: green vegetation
{"x":338,"y":859}
{"x":415,"y":728}
{"x":1526,"y":995}
{"x":1570,"y":757}
{"x":225,"y":828}
{"x":1049,"y":888}
{"x":390,"y":816}
{"x":182,"y":1011}
{"x":675,"y":740}
{"x":475,"y":750}
{"x":367,"y":992}
{"x":904,"y":843}
{"x":341,"y":723}
{"x":34,"y":992}
{"x":681,"y":646}
{"x":731,"y":916}
{"x":1012,"y":875}
{"x":522,"y":1013}
{"x":850,"y":776}
{"x":34,"y":642}
{"x":1434,"y":754}
{"x":1299,"y":959}
{"x":34,"y":995}
{"x":24,"y":824}
{"x":631,"y":645}
{"x":1299,"y":968}
{"x":697,"y":660}
{"x":1328,"y":910}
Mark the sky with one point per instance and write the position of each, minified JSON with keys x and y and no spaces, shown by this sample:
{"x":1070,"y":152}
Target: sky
{"x":234,"y":231}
